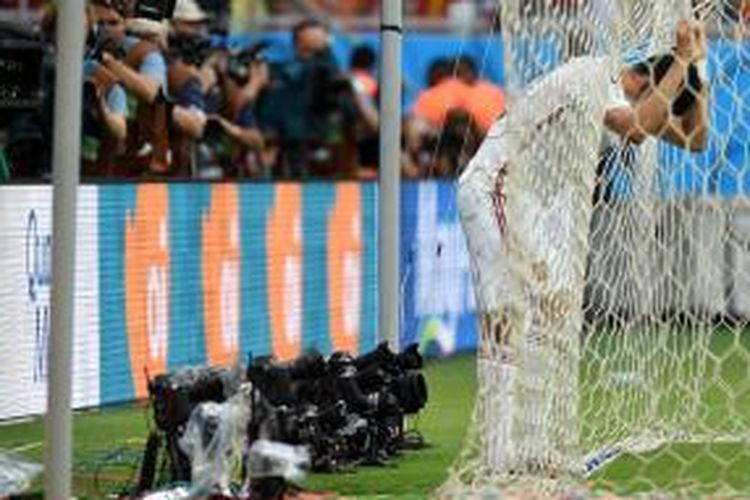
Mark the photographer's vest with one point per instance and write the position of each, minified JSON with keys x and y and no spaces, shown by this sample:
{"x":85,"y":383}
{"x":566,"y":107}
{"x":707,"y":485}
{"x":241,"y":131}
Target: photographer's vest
{"x":183,"y":146}
{"x":147,"y":148}
{"x":99,"y":153}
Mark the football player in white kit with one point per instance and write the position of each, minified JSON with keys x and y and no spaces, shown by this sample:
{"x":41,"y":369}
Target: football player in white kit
{"x":525,"y":205}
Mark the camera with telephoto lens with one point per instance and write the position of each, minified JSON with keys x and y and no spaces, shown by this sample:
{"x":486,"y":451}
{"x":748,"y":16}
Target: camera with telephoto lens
{"x":174,"y":396}
{"x":191,"y":49}
{"x":333,"y":90}
{"x":347,"y":410}
{"x":238,"y":64}
{"x":397,"y":374}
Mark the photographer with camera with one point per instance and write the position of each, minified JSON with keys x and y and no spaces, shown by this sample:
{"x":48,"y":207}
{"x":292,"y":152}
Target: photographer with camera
{"x":188,"y":51}
{"x":312,"y":107}
{"x":143,"y":73}
{"x":238,"y":144}
{"x":104,"y":121}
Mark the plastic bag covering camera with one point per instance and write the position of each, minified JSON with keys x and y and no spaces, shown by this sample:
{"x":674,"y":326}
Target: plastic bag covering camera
{"x":179,"y":493}
{"x":16,"y":474}
{"x":214,"y":439}
{"x":269,"y":459}
{"x":344,"y":411}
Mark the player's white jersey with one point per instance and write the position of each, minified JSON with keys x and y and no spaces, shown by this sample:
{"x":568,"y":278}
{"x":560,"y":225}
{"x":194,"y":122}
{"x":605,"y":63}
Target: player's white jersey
{"x":581,"y":86}
{"x":533,"y":169}
{"x":585,"y":86}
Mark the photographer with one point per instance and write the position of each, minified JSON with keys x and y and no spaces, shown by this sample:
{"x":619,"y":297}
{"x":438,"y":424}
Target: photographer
{"x":143,"y":73}
{"x":245,"y":152}
{"x":312,"y":107}
{"x":104,"y":121}
{"x":189,"y":49}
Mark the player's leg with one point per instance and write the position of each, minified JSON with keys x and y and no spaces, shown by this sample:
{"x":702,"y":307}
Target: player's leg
{"x":481,"y":205}
{"x":548,"y":233}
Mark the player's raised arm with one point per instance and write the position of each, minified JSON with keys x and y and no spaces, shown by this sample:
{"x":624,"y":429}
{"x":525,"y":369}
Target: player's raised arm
{"x":689,"y":129}
{"x":662,"y":104}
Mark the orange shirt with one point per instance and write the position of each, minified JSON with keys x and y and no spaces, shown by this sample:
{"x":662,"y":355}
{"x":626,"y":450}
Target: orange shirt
{"x":434,"y":103}
{"x":484,"y":101}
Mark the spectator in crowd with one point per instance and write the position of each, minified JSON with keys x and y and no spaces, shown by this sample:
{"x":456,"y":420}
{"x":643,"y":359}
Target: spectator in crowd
{"x":365,"y":83}
{"x":188,"y":51}
{"x":458,"y":86}
{"x":104,"y":122}
{"x":455,"y":146}
{"x":483,"y":100}
{"x":143,"y":73}
{"x":362,"y":67}
{"x":449,"y":118}
{"x":444,"y":92}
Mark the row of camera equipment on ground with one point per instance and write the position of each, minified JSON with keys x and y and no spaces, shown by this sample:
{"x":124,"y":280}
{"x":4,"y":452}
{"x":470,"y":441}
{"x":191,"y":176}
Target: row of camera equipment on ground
{"x":251,"y":433}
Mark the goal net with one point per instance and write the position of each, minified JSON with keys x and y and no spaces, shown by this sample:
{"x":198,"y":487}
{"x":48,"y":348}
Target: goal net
{"x":615,"y":348}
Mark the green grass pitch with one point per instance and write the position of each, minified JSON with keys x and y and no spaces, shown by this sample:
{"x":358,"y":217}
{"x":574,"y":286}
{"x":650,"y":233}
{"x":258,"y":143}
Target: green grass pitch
{"x":108,"y":440}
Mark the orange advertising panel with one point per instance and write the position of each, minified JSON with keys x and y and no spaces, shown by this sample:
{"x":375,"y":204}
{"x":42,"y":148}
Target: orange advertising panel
{"x":284,"y":255}
{"x":147,"y":284}
{"x":344,"y":268}
{"x":221,"y":275}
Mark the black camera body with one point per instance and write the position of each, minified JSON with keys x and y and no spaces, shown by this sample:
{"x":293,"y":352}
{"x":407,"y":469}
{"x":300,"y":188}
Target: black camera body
{"x":306,"y":99}
{"x":192,"y":50}
{"x":239,"y":62}
{"x":175,"y":395}
{"x":347,"y":410}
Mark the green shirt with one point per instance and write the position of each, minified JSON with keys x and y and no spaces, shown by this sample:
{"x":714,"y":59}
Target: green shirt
{"x":4,"y":167}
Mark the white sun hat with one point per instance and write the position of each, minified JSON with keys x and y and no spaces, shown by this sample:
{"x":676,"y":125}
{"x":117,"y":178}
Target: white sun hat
{"x":189,"y":11}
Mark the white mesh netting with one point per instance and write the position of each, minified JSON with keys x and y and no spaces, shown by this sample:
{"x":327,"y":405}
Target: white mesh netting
{"x":615,"y":350}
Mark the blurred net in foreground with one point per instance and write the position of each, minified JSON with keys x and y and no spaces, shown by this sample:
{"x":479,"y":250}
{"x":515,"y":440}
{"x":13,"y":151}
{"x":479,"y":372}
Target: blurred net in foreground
{"x":628,"y":326}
